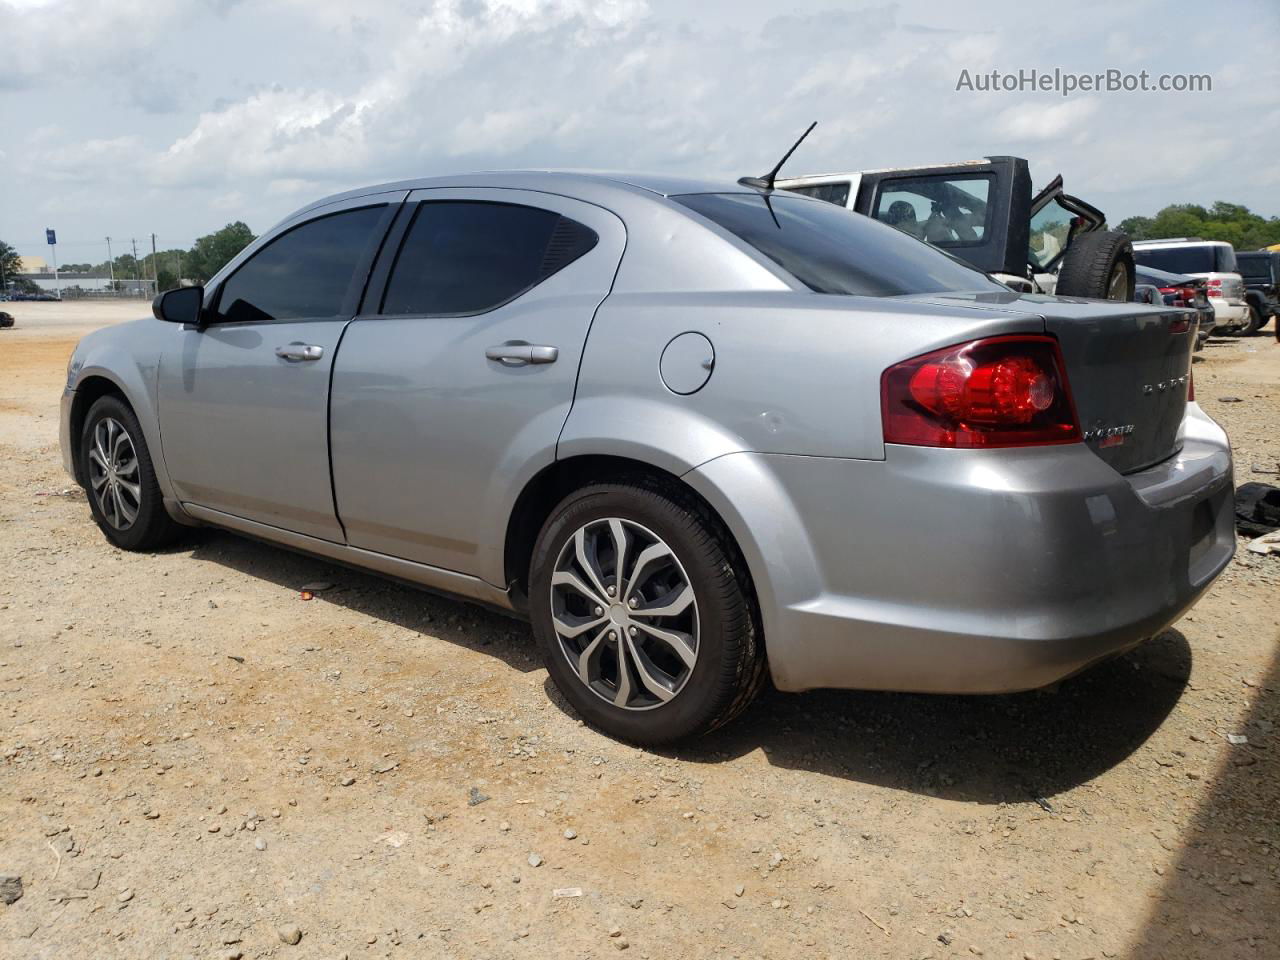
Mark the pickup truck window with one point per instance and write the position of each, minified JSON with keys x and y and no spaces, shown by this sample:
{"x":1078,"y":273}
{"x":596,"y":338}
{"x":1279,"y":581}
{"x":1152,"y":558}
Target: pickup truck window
{"x":837,"y":193}
{"x":948,"y":211}
{"x":831,"y":250}
{"x":1051,"y":229}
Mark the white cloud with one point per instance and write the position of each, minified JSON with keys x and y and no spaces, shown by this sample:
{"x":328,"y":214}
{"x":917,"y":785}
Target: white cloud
{"x":269,"y":104}
{"x":1043,"y":119}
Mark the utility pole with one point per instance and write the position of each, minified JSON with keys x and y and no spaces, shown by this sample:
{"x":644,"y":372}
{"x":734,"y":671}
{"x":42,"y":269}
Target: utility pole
{"x":111,"y":266}
{"x":137,"y":269}
{"x":155,"y":269}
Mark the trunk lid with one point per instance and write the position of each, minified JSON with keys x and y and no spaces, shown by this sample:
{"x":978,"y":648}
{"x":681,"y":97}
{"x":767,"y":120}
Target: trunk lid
{"x":1128,"y":365}
{"x":1129,"y":368}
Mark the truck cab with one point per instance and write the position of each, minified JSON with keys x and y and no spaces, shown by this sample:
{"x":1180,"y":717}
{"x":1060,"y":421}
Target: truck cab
{"x":984,"y":212}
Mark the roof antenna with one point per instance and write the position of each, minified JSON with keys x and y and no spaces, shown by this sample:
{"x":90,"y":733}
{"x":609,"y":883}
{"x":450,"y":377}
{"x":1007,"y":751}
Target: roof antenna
{"x":766,"y":182}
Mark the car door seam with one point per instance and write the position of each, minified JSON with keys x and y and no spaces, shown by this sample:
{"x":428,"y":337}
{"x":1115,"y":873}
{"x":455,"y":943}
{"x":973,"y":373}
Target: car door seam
{"x":577,"y":374}
{"x":328,"y":429}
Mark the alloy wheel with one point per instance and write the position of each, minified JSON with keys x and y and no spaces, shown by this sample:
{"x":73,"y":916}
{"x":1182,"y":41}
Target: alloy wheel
{"x":113,"y":473}
{"x":624,"y":613}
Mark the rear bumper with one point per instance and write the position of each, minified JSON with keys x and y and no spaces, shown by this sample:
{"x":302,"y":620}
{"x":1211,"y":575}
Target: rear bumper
{"x":1227,"y":313}
{"x":953,"y":571}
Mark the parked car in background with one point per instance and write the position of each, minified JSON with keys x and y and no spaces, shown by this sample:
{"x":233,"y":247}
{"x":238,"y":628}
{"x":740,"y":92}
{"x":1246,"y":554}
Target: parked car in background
{"x":1179,"y":290}
{"x":1215,"y":261}
{"x":1147,"y":293}
{"x":983,"y":212}
{"x":1260,"y":270}
{"x":694,"y":431}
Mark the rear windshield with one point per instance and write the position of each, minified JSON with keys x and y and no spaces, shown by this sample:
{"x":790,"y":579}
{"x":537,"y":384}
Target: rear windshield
{"x":831,"y":250}
{"x":1206,"y":258}
{"x":1255,"y":266}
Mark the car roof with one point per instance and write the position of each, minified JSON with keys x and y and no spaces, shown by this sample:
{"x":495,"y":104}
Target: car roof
{"x":594,"y":185}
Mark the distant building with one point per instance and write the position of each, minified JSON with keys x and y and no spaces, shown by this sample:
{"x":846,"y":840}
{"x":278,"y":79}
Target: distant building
{"x":32,"y":265}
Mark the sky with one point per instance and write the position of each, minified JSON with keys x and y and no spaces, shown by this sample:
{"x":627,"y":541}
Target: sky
{"x":177,"y":116}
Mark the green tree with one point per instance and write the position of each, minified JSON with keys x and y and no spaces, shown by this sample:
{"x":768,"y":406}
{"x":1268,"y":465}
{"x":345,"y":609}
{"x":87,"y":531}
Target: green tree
{"x":9,"y":263}
{"x":212,"y":252}
{"x":1232,"y":222}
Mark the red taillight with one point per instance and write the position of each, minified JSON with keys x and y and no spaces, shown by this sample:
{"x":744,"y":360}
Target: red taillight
{"x":1215,"y":282}
{"x":1214,"y":292}
{"x":998,"y":392}
{"x":1182,"y":296}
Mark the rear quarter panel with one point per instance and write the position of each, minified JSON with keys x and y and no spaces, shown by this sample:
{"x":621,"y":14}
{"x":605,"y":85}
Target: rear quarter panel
{"x":796,"y":373}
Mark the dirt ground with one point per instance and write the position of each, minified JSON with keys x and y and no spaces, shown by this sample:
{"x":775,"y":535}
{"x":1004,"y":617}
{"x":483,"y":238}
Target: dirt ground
{"x":176,"y":731}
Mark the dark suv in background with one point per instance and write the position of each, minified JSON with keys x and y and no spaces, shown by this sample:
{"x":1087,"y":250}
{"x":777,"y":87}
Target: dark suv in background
{"x":1261,"y":272}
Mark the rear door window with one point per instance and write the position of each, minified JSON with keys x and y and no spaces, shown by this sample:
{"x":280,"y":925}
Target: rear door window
{"x":462,"y":257}
{"x":308,"y":272}
{"x":947,"y":211}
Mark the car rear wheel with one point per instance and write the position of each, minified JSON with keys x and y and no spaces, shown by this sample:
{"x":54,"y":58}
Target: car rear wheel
{"x":644,"y":613}
{"x":120,"y":479}
{"x":1098,"y":264}
{"x":1253,"y":322}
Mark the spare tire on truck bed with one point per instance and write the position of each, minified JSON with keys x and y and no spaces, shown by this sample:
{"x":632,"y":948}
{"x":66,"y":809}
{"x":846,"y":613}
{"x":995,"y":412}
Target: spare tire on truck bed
{"x":1098,"y":264}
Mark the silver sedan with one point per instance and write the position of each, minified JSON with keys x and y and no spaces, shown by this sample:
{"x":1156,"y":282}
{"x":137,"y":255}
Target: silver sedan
{"x":699,"y":433}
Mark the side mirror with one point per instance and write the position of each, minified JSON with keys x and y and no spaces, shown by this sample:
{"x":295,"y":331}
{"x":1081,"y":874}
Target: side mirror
{"x":181,"y":305}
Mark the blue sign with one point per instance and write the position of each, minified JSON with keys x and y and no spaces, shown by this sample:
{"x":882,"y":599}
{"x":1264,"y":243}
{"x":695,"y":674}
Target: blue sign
{"x":50,"y":237}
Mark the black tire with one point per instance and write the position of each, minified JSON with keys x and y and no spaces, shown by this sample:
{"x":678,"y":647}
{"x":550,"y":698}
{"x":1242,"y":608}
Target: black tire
{"x":1253,"y":324}
{"x":153,"y":527}
{"x":730,"y":666}
{"x":1092,"y":261}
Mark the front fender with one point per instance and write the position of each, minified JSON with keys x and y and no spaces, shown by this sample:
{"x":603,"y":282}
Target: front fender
{"x":113,"y":355}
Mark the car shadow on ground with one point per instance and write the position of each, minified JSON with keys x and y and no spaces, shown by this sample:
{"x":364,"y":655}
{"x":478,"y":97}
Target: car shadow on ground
{"x":403,"y":605}
{"x":1221,"y":892}
{"x":977,"y":749}
{"x":985,"y":749}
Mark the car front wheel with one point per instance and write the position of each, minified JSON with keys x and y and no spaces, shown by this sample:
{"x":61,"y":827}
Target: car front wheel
{"x":120,"y":479}
{"x":644,"y":613}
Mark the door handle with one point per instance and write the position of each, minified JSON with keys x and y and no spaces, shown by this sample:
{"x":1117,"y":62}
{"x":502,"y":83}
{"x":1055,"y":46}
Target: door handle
{"x":296,"y":352}
{"x":519,"y":353}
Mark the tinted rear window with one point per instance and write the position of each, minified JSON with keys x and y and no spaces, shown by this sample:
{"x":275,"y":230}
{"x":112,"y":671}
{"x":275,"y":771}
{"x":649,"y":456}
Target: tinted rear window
{"x":831,"y":250}
{"x":464,"y":257}
{"x":1206,"y":258}
{"x":1254,"y":266}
